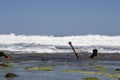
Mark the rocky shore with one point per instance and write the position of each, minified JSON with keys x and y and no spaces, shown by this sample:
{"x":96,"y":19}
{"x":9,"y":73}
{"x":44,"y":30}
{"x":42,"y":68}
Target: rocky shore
{"x":65,"y":57}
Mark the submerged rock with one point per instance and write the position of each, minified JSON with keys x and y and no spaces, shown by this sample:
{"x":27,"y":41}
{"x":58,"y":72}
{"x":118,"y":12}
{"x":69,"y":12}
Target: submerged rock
{"x":40,"y":68}
{"x":93,"y":73}
{"x":100,"y":68}
{"x":5,"y":64}
{"x":32,"y":68}
{"x":11,"y":75}
{"x":91,"y":78}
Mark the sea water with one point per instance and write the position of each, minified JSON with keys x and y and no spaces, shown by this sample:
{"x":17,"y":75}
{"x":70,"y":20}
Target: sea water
{"x":56,"y":44}
{"x":58,"y":72}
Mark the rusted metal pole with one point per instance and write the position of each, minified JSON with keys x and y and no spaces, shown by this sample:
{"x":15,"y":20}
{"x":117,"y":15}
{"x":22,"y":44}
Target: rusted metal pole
{"x":70,"y":43}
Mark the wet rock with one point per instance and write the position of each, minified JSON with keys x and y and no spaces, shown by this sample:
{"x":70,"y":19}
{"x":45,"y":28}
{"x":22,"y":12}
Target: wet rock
{"x":11,"y":75}
{"x":117,"y":69}
{"x":43,"y":59}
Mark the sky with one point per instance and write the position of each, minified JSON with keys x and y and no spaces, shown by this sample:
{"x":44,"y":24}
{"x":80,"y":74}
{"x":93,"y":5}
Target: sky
{"x":60,"y":17}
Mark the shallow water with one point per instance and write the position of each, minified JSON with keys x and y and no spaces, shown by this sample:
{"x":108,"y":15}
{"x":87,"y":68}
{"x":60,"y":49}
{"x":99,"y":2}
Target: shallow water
{"x":62,"y":70}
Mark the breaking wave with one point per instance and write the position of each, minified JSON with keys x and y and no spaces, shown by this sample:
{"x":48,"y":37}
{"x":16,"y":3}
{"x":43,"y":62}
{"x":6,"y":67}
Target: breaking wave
{"x":53,"y":44}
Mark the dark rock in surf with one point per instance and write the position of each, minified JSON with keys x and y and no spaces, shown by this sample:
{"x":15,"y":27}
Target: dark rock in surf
{"x":11,"y":75}
{"x":94,"y":54}
{"x":117,"y":69}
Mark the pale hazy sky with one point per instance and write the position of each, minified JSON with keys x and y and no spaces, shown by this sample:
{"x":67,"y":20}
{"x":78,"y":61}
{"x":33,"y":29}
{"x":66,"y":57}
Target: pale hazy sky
{"x":60,"y":17}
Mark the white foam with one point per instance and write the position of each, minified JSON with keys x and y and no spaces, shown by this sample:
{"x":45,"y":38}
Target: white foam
{"x":41,"y":44}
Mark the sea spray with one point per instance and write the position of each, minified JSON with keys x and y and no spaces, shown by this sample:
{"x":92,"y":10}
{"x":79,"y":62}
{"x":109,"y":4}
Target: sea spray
{"x":56,"y":44}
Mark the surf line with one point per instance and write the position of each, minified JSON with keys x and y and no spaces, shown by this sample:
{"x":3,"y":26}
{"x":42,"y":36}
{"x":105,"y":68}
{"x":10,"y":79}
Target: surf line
{"x":70,"y":43}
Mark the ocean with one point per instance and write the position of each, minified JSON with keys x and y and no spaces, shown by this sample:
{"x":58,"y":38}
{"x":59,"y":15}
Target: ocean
{"x":63,"y":67}
{"x":58,"y":44}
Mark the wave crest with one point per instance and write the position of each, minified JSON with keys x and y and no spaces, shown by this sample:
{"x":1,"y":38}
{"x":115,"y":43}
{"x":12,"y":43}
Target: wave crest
{"x":48,"y":44}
